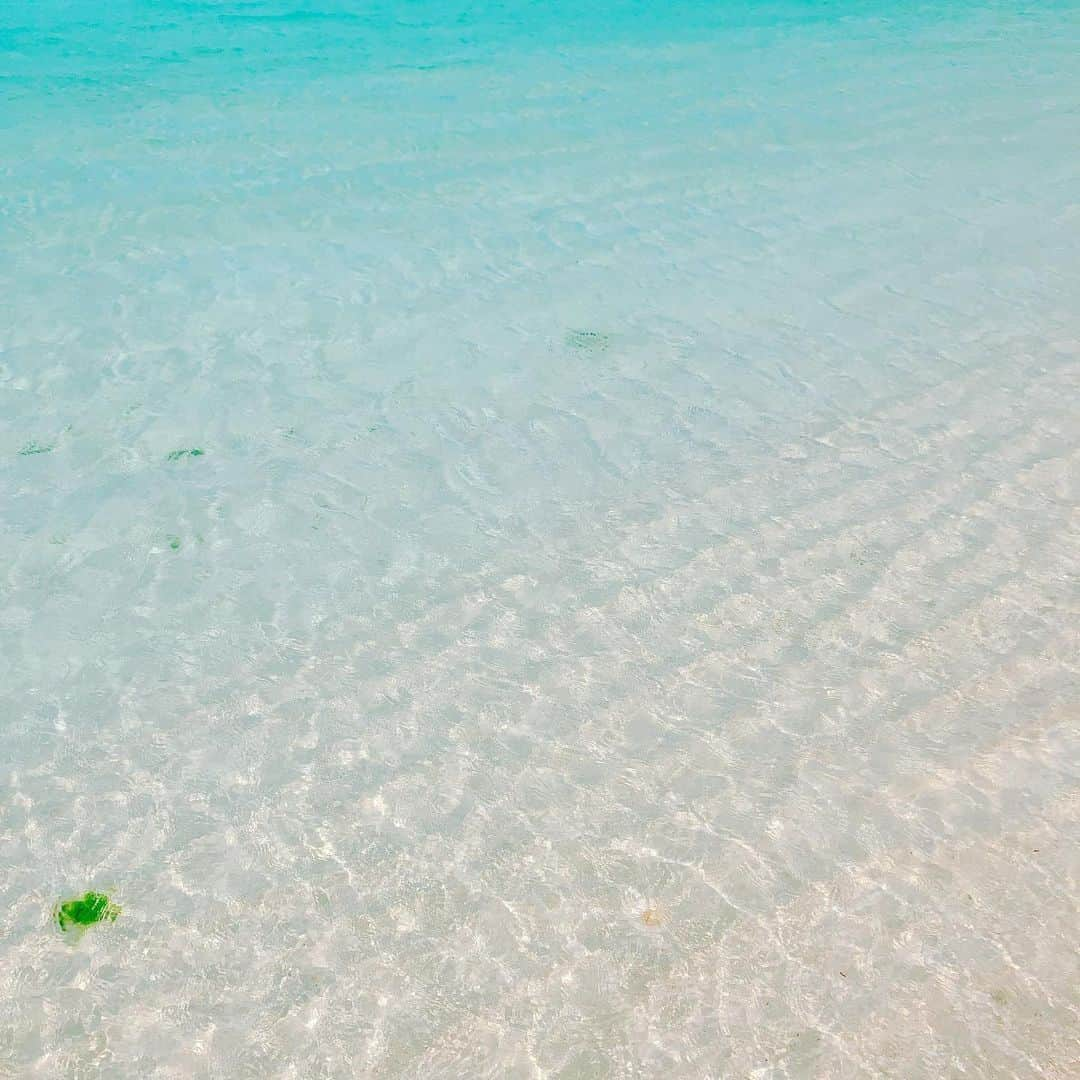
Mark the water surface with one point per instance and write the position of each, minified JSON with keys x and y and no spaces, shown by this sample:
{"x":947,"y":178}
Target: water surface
{"x":540,"y":540}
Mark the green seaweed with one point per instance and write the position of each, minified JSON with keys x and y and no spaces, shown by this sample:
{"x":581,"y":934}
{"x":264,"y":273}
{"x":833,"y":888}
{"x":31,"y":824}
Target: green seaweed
{"x":176,"y":455}
{"x":36,"y":448}
{"x":174,"y":542}
{"x":588,"y":340}
{"x":85,"y":910}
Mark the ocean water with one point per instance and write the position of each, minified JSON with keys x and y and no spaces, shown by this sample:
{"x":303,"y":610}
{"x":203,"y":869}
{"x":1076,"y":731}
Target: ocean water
{"x":540,"y":539}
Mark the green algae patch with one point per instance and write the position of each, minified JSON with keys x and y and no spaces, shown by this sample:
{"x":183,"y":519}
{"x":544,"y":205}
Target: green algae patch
{"x":32,"y":448}
{"x":177,"y":455}
{"x":84,"y":911}
{"x":174,"y":542}
{"x":588,"y":340}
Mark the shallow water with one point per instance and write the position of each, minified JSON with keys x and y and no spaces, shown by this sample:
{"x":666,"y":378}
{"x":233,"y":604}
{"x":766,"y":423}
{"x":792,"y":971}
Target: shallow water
{"x":540,"y":541}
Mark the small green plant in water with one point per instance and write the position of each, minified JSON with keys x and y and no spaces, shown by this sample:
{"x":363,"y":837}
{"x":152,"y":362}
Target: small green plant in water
{"x":84,"y":911}
{"x":176,"y":455}
{"x":35,"y":448}
{"x":174,"y":542}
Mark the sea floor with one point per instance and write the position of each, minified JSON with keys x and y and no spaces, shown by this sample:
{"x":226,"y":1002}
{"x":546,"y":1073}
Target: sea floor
{"x":540,"y":543}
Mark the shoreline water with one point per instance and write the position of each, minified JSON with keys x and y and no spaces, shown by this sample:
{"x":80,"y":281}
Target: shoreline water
{"x":562,"y":564}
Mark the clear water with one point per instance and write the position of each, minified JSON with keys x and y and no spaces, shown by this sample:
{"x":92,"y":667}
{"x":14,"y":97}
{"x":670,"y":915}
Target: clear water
{"x":623,"y":621}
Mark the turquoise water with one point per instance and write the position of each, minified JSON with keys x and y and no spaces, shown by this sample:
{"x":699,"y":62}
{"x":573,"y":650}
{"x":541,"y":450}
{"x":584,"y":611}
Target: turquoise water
{"x":540,"y":540}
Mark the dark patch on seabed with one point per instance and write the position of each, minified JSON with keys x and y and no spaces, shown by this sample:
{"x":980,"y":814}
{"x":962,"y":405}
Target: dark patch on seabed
{"x":588,"y":340}
{"x":33,"y":447}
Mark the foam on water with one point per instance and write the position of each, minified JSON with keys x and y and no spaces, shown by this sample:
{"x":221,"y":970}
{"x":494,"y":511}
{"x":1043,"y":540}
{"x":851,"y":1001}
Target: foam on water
{"x":539,"y":540}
